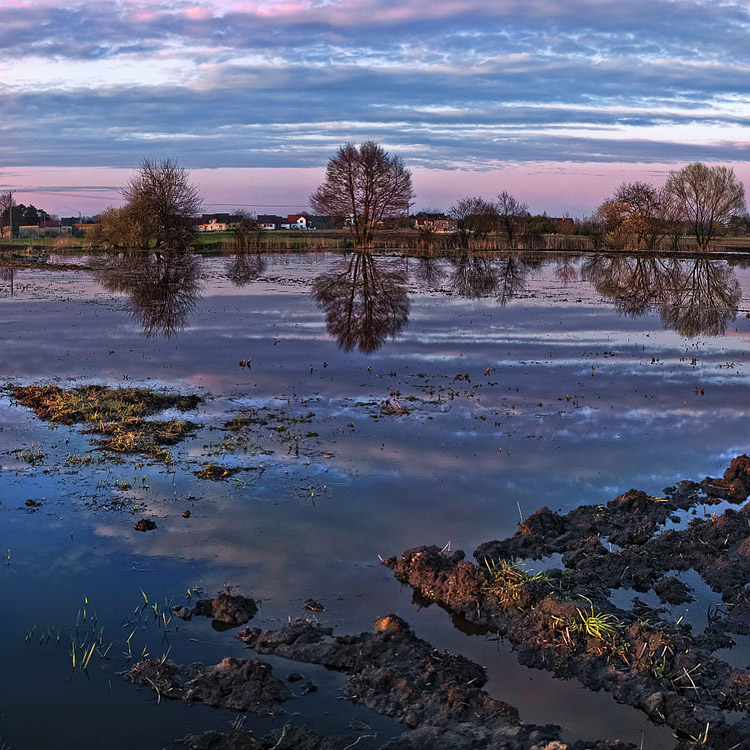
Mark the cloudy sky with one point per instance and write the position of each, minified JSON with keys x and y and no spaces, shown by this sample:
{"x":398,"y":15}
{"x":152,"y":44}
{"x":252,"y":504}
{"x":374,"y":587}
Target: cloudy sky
{"x":557,"y":101}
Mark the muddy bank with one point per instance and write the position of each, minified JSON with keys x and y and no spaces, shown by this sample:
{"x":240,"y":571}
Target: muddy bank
{"x":246,"y":685}
{"x":438,"y":696}
{"x":563,"y":620}
{"x":288,"y":738}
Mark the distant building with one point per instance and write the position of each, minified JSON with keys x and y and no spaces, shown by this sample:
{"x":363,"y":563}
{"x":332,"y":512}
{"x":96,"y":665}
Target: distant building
{"x":215,"y":222}
{"x":434,"y":223}
{"x":299,"y":221}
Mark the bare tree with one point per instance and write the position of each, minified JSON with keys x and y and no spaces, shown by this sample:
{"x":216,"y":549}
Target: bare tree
{"x":6,"y":213}
{"x":475,"y":219}
{"x":365,"y":185}
{"x":163,"y":200}
{"x":704,"y":196}
{"x":511,"y":214}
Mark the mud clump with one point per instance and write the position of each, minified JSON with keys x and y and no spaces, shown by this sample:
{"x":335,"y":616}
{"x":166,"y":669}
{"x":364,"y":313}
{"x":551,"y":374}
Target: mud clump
{"x":652,"y":665}
{"x":288,"y":738}
{"x":145,"y":524}
{"x":672,"y":590}
{"x":438,"y":696}
{"x":246,"y":685}
{"x":227,"y":610}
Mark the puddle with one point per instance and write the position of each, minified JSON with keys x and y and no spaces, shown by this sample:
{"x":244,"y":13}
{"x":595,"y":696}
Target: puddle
{"x":694,"y":613}
{"x":437,"y":415}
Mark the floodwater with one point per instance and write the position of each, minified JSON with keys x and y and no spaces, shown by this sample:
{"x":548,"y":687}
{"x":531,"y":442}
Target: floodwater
{"x":396,"y":402}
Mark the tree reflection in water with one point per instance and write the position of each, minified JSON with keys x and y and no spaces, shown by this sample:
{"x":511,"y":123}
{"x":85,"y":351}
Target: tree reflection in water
{"x":473,"y":276}
{"x":709,"y":294}
{"x":429,"y":272}
{"x":163,"y":289}
{"x":693,"y":297}
{"x":566,"y":270}
{"x":513,"y":276}
{"x":6,"y":274}
{"x":364,"y":300}
{"x":243,"y":268}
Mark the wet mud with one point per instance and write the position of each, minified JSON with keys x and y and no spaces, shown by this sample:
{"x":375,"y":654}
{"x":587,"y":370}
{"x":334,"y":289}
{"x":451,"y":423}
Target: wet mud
{"x":563,"y":620}
{"x":226,"y":611}
{"x":437,"y":695}
{"x":246,"y":685}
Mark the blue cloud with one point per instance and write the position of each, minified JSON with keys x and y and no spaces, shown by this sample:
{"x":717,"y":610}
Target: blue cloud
{"x":447,"y":83}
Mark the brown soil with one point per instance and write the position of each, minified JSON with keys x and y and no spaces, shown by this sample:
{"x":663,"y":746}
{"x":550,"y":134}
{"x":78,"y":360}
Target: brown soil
{"x":438,"y":695}
{"x":563,"y":620}
{"x":246,"y":685}
{"x":226,"y":610}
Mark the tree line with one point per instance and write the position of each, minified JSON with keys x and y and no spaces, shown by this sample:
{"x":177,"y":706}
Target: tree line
{"x":366,"y":187}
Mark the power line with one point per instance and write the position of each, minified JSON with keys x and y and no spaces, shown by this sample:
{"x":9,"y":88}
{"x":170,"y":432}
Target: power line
{"x":259,"y":205}
{"x":107,"y":198}
{"x":67,"y":195}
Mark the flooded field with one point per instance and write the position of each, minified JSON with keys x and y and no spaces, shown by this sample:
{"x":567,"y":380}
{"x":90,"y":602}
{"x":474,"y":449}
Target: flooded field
{"x":348,"y":408}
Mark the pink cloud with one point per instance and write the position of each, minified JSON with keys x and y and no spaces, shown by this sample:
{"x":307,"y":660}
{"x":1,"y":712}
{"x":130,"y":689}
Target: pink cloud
{"x":198,"y":13}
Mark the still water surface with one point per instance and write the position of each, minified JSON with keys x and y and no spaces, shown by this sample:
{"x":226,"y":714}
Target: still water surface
{"x":419,"y":402}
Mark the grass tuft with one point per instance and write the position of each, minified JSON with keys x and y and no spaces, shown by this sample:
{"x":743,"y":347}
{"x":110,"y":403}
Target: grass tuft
{"x":119,"y":414}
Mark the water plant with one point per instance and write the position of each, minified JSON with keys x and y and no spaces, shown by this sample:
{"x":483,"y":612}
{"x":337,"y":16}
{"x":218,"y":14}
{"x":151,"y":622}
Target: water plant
{"x":597,"y":624}
{"x":508,"y":582}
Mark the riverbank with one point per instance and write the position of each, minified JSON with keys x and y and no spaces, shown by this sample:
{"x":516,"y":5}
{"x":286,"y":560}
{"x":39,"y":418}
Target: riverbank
{"x":390,"y":240}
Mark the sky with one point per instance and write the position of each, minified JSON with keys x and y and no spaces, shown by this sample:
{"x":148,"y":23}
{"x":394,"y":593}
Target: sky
{"x":556,"y":101}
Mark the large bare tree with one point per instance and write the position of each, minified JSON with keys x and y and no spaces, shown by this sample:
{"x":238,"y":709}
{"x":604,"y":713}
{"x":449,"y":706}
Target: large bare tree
{"x":162,"y":200}
{"x":704,"y":196}
{"x":365,"y":186}
{"x":511,"y":214}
